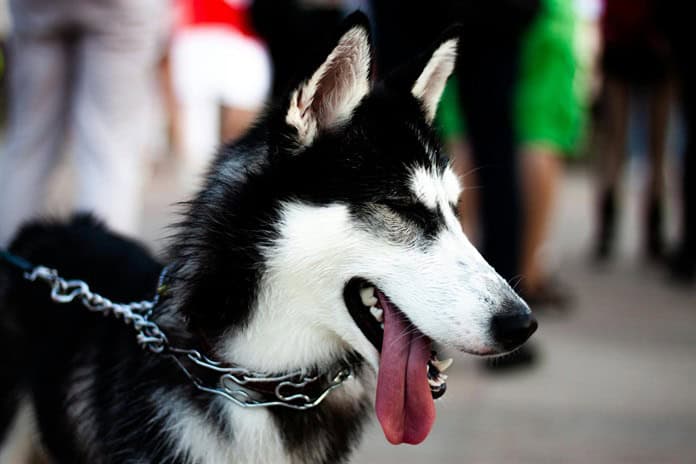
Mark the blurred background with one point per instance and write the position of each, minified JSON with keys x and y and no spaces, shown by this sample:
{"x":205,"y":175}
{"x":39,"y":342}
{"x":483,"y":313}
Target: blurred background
{"x":570,"y":122}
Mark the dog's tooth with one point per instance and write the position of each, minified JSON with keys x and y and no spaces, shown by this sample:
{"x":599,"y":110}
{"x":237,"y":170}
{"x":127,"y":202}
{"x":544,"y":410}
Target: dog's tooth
{"x":367,"y":295}
{"x":377,"y":313}
{"x":381,"y":326}
{"x":442,"y":365}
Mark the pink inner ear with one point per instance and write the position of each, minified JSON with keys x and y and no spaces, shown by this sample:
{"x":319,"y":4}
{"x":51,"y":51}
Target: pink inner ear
{"x":341,"y":82}
{"x":331,"y":95}
{"x":329,"y":92}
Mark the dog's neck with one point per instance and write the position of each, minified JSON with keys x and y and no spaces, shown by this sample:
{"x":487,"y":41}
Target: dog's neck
{"x":279,"y":338}
{"x":283,"y":333}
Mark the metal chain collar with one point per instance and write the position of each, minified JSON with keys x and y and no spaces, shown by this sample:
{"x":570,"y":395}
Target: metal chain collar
{"x":289,"y":387}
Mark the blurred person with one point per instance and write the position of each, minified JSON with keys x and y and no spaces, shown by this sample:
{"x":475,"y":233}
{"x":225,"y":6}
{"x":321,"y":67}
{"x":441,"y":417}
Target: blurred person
{"x":487,"y":76}
{"x":479,"y":104}
{"x":79,"y":71}
{"x":678,"y":24}
{"x":221,"y":76}
{"x":635,"y":57}
{"x":485,"y":89}
{"x":549,"y":118}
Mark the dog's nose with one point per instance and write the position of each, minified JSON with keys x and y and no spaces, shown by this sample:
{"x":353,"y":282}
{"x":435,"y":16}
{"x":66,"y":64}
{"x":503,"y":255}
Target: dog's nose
{"x":512,"y":328}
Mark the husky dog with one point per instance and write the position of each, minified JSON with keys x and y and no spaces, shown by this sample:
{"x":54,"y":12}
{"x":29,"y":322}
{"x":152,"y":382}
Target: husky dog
{"x":327,"y":236}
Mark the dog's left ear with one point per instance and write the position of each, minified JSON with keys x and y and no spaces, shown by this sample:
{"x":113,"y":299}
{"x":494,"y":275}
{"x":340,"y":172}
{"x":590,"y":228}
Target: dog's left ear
{"x":329,"y":97}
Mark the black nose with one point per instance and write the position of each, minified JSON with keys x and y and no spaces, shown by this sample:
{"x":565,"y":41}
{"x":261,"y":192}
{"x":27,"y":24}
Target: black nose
{"x":512,"y":329}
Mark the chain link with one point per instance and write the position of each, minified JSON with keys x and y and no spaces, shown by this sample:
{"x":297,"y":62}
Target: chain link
{"x":148,"y":333}
{"x":289,"y":387}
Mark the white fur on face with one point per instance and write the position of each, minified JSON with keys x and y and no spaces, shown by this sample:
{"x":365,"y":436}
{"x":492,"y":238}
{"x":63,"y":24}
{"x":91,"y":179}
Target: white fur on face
{"x":301,"y":294}
{"x":431,"y":83}
{"x":333,"y":92}
{"x":445,"y":288}
{"x":432,"y":188}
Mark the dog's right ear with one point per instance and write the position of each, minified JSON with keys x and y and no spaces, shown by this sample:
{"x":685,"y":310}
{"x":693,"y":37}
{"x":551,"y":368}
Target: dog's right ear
{"x":426,"y":75}
{"x":329,"y":97}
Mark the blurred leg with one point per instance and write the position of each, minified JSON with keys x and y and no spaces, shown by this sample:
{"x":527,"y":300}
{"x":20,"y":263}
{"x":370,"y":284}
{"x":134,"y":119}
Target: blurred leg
{"x":541,"y":169}
{"x":486,"y":89}
{"x":683,"y":263}
{"x":34,"y":137}
{"x":243,"y":94}
{"x":611,"y":159}
{"x":195,"y":70}
{"x":688,"y":240}
{"x":199,"y":135}
{"x":112,"y":122}
{"x":659,"y":116}
{"x":236,"y":121}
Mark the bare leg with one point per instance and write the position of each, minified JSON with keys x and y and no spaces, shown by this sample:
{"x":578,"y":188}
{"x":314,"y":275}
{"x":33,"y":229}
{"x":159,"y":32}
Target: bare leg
{"x":236,"y":121}
{"x":541,"y":168}
{"x":660,"y":100}
{"x":612,"y":153}
{"x":199,"y":136}
{"x":169,"y":103}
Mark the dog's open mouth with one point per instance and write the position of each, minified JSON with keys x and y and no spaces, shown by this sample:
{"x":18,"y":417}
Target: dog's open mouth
{"x":410,"y":375}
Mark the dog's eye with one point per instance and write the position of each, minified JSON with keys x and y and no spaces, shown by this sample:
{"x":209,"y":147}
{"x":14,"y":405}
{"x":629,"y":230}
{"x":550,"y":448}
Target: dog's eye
{"x":415,"y":212}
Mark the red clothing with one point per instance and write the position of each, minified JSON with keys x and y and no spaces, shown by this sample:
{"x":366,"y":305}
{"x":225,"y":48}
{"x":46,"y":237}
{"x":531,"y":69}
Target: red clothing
{"x":225,"y":13}
{"x":631,"y":23}
{"x":636,"y":49}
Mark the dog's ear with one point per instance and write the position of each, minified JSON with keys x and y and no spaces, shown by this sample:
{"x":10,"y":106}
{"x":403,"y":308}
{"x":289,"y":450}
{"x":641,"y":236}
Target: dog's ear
{"x":427,"y":75}
{"x":431,"y":82}
{"x":337,"y":86}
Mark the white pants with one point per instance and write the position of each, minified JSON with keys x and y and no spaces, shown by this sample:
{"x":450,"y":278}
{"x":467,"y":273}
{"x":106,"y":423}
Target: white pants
{"x":214,"y":67}
{"x":83,"y":72}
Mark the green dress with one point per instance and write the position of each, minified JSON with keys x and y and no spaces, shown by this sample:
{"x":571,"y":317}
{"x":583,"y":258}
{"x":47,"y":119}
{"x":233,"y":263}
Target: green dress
{"x":450,"y":120}
{"x":549,"y":106}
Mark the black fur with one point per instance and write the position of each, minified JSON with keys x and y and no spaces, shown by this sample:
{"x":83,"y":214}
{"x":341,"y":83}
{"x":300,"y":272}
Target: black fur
{"x":214,"y":267}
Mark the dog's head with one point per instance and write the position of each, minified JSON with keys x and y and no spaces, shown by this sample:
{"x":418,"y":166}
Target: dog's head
{"x":361,"y":249}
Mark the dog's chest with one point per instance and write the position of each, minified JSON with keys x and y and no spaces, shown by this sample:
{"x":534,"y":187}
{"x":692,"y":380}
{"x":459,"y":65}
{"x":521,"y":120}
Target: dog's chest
{"x":236,"y":436}
{"x":228,"y":433}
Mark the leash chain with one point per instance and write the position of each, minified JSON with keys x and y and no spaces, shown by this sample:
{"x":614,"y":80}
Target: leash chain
{"x":288,"y":389}
{"x":136,"y":314}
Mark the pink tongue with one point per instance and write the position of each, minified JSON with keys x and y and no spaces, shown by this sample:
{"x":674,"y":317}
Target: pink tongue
{"x":404,"y":404}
